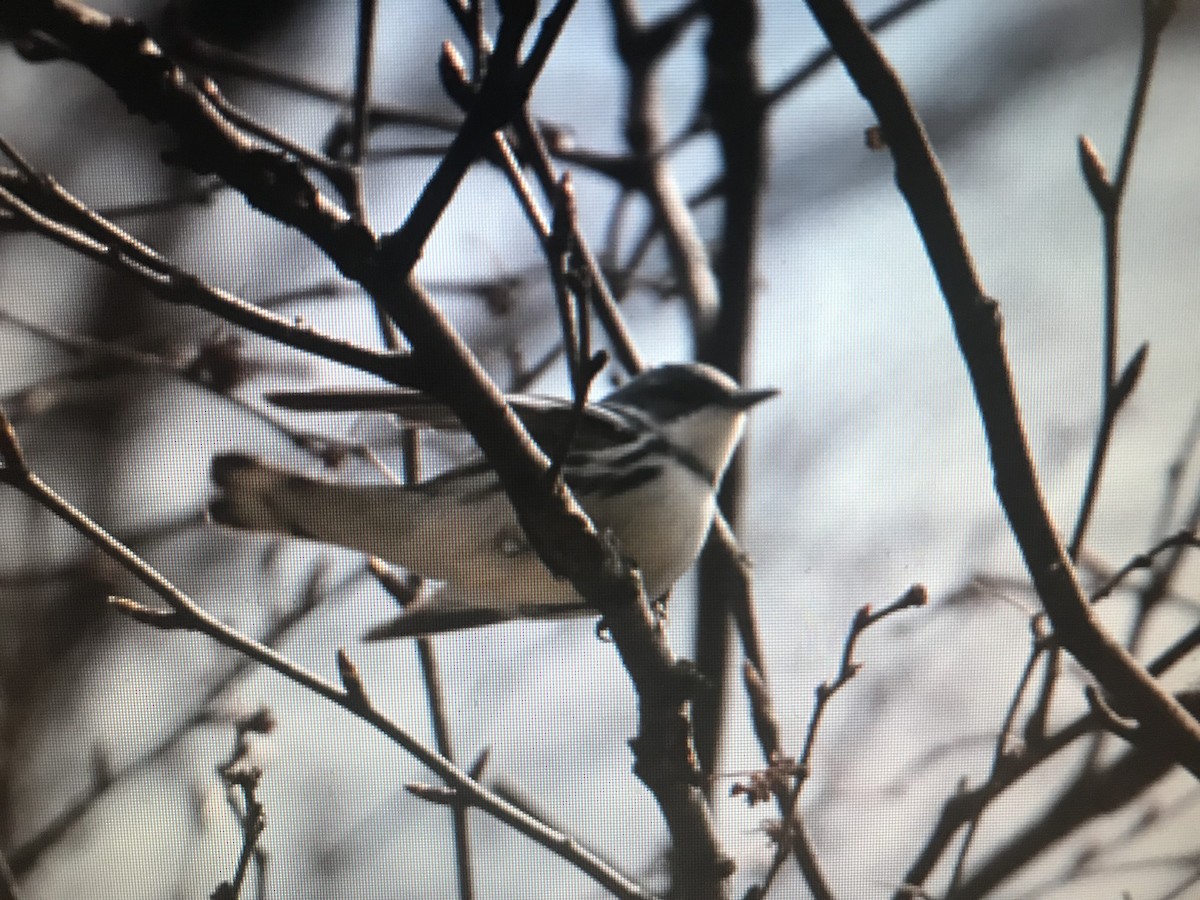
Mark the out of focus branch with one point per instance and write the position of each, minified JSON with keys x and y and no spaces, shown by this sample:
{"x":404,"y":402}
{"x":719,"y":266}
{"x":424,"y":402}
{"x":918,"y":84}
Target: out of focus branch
{"x":733,"y":103}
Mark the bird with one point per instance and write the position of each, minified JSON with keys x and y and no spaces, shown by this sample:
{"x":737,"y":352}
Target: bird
{"x":644,"y":463}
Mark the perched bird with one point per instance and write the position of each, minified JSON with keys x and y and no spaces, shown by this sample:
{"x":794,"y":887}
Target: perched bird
{"x":644,"y":463}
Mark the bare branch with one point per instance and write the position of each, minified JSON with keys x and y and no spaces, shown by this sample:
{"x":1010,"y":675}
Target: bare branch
{"x":977,"y":325}
{"x":1109,"y":195}
{"x":1184,"y":538}
{"x":792,"y":837}
{"x":123,"y":55}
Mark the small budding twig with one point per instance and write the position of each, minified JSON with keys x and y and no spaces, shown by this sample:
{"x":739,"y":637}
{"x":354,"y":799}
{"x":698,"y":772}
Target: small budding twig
{"x":1108,"y":192}
{"x":1184,"y":538}
{"x":863,"y":619}
{"x":789,"y":834}
{"x":240,"y":772}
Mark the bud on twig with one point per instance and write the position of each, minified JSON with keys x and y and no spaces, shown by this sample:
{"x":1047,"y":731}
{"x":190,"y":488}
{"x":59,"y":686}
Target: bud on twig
{"x":452,"y":70}
{"x":1095,"y":173}
{"x":351,"y":680}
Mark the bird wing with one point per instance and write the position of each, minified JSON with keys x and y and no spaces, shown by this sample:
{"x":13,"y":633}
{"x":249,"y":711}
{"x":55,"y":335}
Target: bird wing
{"x":411,"y":405}
{"x":543,"y":417}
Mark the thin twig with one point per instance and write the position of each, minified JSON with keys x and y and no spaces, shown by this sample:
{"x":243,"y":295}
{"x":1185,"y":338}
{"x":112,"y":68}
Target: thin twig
{"x":620,"y":169}
{"x":1173,"y":482}
{"x":27,"y":854}
{"x":239,"y":773}
{"x":640,"y":49}
{"x":104,"y":242}
{"x":604,"y":303}
{"x":822,"y":58}
{"x":534,"y":146}
{"x":222,"y":59}
{"x":865,"y":617}
{"x":570,"y":294}
{"x":499,"y":96}
{"x":431,"y":677}
{"x":1184,"y":538}
{"x":1109,"y":196}
{"x":1000,"y":754}
{"x":194,"y":370}
{"x":360,"y":110}
{"x":338,"y":173}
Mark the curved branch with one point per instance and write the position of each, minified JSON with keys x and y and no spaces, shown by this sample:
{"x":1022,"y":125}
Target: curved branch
{"x":978,"y":327}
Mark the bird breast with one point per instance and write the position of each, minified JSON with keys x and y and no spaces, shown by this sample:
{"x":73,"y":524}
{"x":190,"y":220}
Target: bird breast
{"x":661,"y":524}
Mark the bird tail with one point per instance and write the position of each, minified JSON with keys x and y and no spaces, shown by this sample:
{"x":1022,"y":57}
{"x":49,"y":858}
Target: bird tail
{"x":459,"y":530}
{"x":260,"y":497}
{"x":441,"y":610}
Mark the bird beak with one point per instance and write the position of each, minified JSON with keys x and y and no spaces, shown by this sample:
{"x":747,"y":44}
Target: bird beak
{"x":747,"y":399}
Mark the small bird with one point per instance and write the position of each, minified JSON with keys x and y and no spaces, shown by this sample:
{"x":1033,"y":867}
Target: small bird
{"x":644,"y":463}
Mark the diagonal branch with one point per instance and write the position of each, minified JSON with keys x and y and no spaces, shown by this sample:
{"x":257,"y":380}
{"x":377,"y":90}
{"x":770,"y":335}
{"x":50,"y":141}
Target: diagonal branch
{"x":978,"y":327}
{"x":184,"y":612}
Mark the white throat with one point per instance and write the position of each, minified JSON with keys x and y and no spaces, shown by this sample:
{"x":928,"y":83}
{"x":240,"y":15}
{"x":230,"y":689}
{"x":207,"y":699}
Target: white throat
{"x":709,"y":435}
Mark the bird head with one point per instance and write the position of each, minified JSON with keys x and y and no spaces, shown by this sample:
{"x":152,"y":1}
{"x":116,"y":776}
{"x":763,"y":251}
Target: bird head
{"x":694,"y":407}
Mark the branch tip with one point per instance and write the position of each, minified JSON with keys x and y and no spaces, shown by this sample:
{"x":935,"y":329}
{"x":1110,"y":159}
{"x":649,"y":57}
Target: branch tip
{"x":1127,"y":728}
{"x":452,"y":70}
{"x":443,"y":796}
{"x":480,"y":763}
